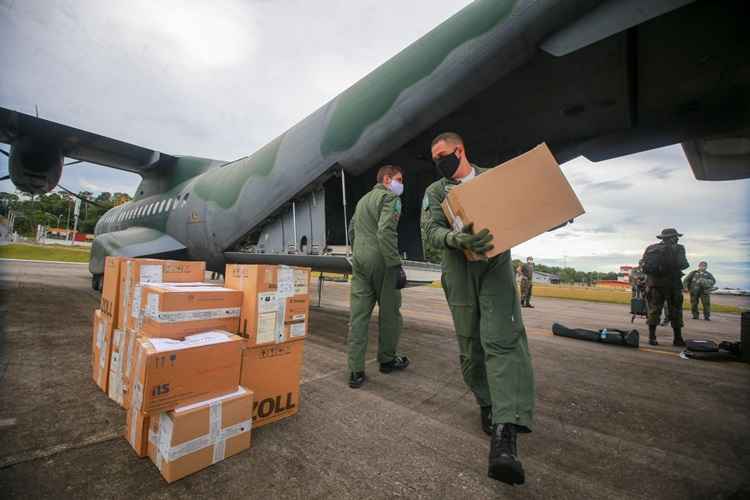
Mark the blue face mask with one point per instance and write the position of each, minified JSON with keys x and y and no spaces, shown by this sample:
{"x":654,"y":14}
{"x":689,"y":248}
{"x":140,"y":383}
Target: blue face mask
{"x":396,"y":187}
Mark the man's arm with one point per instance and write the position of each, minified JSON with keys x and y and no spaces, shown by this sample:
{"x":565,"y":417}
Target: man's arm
{"x":436,"y":227}
{"x":711,"y":279}
{"x":390,"y":212}
{"x":681,"y":259}
{"x":688,"y":283}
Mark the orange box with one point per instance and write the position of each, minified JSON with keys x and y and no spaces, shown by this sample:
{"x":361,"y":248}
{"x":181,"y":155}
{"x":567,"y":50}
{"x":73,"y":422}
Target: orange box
{"x":128,"y":362}
{"x":174,"y":310}
{"x":114,"y":385}
{"x":136,"y":431}
{"x":518,"y":200}
{"x":169,"y":373}
{"x":275,"y":304}
{"x":273,"y":374}
{"x":135,"y":272}
{"x":100,"y":347}
{"x":110,"y":302}
{"x":193,"y":437}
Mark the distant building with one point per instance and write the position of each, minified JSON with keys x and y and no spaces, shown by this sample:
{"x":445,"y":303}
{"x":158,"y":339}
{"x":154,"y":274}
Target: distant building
{"x":624,"y":274}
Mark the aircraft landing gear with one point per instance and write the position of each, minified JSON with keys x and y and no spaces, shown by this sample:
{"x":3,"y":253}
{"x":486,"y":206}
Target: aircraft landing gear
{"x":96,"y":282}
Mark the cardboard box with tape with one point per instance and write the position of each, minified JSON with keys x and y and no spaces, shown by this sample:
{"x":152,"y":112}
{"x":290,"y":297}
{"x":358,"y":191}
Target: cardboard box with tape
{"x":110,"y":302}
{"x":193,"y":437}
{"x":169,"y":372}
{"x":100,"y":347}
{"x":275,"y":304}
{"x":134,"y":273}
{"x":136,"y":431}
{"x":273,"y":374}
{"x":174,"y":310}
{"x":115,"y":387}
{"x":516,"y":201}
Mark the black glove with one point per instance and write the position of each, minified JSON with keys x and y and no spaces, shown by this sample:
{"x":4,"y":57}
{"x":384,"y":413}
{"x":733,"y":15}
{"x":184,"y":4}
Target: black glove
{"x":401,"y":281}
{"x":465,"y":240}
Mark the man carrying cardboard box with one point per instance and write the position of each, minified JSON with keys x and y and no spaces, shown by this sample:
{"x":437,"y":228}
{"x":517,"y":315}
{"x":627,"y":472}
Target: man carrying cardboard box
{"x":484,"y":303}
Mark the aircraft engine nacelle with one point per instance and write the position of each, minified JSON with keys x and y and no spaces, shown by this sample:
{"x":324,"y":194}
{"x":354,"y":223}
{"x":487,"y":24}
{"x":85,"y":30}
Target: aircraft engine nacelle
{"x":35,"y":166}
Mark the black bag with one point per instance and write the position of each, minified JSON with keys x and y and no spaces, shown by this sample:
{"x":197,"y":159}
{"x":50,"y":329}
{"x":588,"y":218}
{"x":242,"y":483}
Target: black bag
{"x":701,"y":346}
{"x":655,"y":259}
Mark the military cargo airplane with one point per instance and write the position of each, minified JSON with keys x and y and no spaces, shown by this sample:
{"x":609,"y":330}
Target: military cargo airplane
{"x":600,"y":79}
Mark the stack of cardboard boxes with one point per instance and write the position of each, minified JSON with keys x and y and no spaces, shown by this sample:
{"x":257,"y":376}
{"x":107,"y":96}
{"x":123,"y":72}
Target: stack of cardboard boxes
{"x":197,"y":365}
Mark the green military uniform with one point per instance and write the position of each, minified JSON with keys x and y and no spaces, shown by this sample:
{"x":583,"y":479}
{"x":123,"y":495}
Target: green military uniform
{"x":491,"y":336}
{"x":527,"y":283}
{"x":375,"y":273}
{"x":699,"y":283}
{"x":430,"y":253}
{"x":666,"y":288}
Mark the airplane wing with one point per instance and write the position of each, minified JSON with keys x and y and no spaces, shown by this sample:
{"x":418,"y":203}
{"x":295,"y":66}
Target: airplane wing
{"x":19,"y":129}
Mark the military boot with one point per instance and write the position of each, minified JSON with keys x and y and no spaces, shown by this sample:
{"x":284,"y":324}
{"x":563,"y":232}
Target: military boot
{"x":356,"y":379}
{"x":678,"y":340}
{"x":652,"y":335}
{"x":486,"y":414}
{"x":504,"y":465}
{"x":397,"y":363}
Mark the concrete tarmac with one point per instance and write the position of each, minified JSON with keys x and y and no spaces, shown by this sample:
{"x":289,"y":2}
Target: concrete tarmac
{"x":612,"y":422}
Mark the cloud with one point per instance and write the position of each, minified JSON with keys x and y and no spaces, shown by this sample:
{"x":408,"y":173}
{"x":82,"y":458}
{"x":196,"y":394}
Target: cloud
{"x":614,"y":185}
{"x":662,"y":171}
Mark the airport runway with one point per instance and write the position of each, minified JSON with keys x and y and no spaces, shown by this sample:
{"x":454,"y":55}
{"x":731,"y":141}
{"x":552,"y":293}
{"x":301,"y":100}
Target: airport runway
{"x":611,"y":422}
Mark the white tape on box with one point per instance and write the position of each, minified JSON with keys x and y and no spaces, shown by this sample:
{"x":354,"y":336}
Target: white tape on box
{"x":285,"y":287}
{"x":192,"y":315}
{"x":151,"y":273}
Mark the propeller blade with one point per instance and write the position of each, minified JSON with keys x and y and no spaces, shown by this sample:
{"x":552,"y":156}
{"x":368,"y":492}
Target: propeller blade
{"x":85,"y":200}
{"x":73,"y":163}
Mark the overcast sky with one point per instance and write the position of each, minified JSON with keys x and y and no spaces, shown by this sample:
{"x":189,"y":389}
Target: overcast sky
{"x":220,"y":79}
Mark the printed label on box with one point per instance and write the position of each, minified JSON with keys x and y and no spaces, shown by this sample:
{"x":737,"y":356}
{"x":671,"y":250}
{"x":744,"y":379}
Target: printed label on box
{"x":300,"y":282}
{"x":297,"y":330}
{"x":268,"y":302}
{"x":266,"y":327}
{"x":151,"y":273}
{"x":286,"y":282}
{"x":152,"y":304}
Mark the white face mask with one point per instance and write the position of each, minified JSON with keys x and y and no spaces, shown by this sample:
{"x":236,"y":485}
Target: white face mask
{"x":396,"y":187}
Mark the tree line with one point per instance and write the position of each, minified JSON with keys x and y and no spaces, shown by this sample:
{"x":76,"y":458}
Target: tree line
{"x":56,"y":210}
{"x":570,"y":274}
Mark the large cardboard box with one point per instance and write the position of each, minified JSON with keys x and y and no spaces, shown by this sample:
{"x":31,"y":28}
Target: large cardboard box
{"x":174,"y":310}
{"x":128,"y":364}
{"x":520,"y":199}
{"x":136,"y":431}
{"x":110,"y":302}
{"x":193,"y":437}
{"x":114,"y":386}
{"x":275,"y":304}
{"x":273,"y":374}
{"x":100,"y":347}
{"x":136,"y":272}
{"x":169,"y":372}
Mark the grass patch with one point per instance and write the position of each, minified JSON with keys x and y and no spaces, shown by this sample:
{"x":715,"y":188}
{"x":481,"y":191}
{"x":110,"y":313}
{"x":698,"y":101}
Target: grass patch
{"x":44,"y":252}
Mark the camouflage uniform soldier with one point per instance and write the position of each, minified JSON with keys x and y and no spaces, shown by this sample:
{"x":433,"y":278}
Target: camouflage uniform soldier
{"x":699,"y":283}
{"x":376,"y":272}
{"x":663,"y":263}
{"x":527,"y":282}
{"x":483,"y":300}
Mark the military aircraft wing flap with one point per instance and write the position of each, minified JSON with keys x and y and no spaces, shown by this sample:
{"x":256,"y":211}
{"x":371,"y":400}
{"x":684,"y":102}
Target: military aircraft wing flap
{"x":77,"y":144}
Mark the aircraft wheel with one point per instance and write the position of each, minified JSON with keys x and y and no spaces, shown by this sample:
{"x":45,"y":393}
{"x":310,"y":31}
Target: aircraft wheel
{"x":96,"y":282}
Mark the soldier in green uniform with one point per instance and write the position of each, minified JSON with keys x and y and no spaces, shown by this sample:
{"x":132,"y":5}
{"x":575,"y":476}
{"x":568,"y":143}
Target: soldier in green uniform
{"x":483,"y":300}
{"x":527,"y":282}
{"x":376,"y":272}
{"x":699,"y":283}
{"x":663,"y":263}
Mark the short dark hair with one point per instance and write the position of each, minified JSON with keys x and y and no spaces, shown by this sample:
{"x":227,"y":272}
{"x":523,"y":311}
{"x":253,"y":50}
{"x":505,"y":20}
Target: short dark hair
{"x":451,"y":137}
{"x":389,"y":170}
